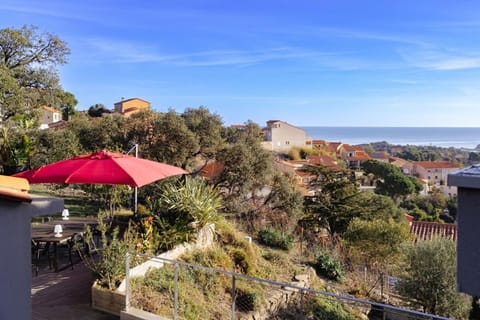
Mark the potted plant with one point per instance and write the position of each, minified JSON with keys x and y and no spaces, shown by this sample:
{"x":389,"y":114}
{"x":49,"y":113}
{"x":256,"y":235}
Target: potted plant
{"x":105,"y":257}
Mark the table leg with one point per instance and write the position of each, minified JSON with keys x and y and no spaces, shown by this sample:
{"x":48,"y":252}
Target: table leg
{"x":55,"y":257}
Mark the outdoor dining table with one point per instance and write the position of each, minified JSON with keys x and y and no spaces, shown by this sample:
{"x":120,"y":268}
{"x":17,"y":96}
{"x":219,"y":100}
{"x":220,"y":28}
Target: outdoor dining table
{"x":44,"y":232}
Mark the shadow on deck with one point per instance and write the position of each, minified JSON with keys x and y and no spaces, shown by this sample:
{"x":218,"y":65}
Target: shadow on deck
{"x":64,"y":295}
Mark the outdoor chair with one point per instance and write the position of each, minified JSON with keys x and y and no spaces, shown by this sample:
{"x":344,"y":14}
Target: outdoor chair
{"x":75,"y":245}
{"x":38,"y":249}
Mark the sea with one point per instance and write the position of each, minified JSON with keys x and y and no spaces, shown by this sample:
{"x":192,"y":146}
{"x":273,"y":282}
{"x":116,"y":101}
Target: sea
{"x":463,"y":138}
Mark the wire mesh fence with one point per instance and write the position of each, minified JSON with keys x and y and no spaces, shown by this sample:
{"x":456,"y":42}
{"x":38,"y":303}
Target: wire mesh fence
{"x":179,"y":290}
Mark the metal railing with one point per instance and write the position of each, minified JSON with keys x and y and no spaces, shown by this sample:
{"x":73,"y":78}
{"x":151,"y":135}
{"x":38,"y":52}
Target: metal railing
{"x":180,"y":290}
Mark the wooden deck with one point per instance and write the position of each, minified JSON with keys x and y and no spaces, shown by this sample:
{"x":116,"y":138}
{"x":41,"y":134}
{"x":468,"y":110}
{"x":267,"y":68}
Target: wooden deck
{"x":64,"y":295}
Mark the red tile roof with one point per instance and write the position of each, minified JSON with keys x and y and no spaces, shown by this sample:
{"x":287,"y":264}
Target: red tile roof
{"x":359,"y":155}
{"x":333,"y":146}
{"x":212,"y":170}
{"x":322,"y":160}
{"x":50,"y":109}
{"x":348,"y":147}
{"x":423,"y":230}
{"x":126,"y":100}
{"x":318,"y":142}
{"x":437,"y":164}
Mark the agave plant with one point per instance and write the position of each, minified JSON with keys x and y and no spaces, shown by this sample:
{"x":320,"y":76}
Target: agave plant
{"x":181,"y":208}
{"x":193,"y":198}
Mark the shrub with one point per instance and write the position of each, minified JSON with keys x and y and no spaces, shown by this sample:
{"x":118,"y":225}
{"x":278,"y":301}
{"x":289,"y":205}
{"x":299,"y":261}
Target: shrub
{"x":248,"y":299}
{"x":328,"y":266}
{"x":179,"y":209}
{"x":109,"y":267}
{"x":243,"y":262}
{"x":275,"y":239}
{"x":330,"y":310}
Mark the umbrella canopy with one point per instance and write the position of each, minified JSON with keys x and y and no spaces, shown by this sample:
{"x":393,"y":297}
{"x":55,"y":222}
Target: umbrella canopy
{"x":102,"y":168}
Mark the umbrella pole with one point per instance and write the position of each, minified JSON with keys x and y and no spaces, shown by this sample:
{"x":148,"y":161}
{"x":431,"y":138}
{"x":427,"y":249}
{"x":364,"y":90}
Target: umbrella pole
{"x":135,"y":208}
{"x":136,"y":202}
{"x":136,"y":189}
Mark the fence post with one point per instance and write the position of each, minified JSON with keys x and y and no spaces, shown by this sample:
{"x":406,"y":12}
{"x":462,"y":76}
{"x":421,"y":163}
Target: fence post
{"x":127,"y":281}
{"x":175,"y":305}
{"x":234,"y":297}
{"x":302,"y":294}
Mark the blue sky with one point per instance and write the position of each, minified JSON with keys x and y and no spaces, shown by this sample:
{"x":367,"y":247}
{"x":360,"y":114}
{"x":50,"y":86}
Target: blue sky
{"x":311,"y":63}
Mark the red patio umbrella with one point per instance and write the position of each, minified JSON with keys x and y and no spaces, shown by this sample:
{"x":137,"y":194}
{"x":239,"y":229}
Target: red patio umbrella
{"x":102,"y":168}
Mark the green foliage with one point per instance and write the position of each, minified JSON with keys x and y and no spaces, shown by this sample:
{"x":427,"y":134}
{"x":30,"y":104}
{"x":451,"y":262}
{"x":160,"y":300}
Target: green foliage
{"x":249,"y":298}
{"x":180,"y":208}
{"x":329,"y":266}
{"x":316,"y":307}
{"x":194,"y":198}
{"x":167,"y":234}
{"x":275,"y":239}
{"x":54,"y":145}
{"x":208,"y":131}
{"x":67,"y":105}
{"x":97,"y":110}
{"x":207,"y":295}
{"x":376,"y":243}
{"x":420,"y":153}
{"x":102,"y":133}
{"x":391,"y":181}
{"x":429,"y":208}
{"x":214,"y":257}
{"x":370,"y":206}
{"x":27,"y":61}
{"x":331,"y":206}
{"x":329,"y":310}
{"x":284,"y":203}
{"x":108,"y":197}
{"x":16,"y":147}
{"x":430,"y":279}
{"x":248,"y":168}
{"x":109,"y":266}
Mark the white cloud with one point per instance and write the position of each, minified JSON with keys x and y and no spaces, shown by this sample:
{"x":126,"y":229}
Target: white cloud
{"x":129,"y":52}
{"x":44,"y":10}
{"x":438,"y":59}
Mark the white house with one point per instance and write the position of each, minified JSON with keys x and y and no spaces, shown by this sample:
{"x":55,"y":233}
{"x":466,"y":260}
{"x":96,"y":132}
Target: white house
{"x":281,"y":136}
{"x":436,"y":173}
{"x":49,"y":115}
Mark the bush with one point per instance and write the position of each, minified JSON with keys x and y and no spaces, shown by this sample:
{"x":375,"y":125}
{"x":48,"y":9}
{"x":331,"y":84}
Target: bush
{"x":330,"y":310}
{"x":243,"y":262}
{"x":275,"y":239}
{"x":328,"y":266}
{"x":248,"y":299}
{"x":108,"y":267}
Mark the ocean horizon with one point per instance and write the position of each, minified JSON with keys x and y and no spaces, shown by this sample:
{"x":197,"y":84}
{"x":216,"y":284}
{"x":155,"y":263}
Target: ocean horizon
{"x":457,"y":137}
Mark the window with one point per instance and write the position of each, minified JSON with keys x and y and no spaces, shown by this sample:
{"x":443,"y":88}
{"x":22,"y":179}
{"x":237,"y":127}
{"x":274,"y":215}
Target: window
{"x":287,"y":142}
{"x":436,"y":177}
{"x":428,"y":177}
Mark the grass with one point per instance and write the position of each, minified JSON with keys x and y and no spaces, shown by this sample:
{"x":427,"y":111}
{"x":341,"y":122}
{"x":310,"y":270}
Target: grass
{"x":75,"y":200}
{"x":207,"y":295}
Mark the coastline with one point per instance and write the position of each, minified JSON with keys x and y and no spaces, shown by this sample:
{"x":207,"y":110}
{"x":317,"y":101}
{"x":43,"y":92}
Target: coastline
{"x":465,"y":138}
